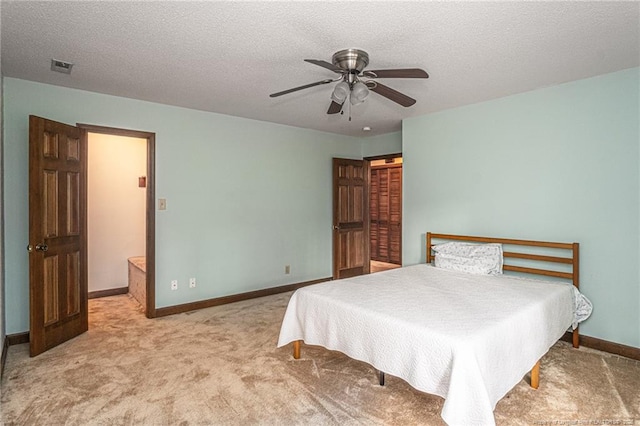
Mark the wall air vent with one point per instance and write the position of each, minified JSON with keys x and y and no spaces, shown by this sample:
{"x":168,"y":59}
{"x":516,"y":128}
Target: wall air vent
{"x":61,"y":66}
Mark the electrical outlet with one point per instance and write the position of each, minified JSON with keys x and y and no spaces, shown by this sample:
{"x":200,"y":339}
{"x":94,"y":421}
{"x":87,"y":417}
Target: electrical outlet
{"x":174,"y":284}
{"x":287,"y":269}
{"x":192,"y":282}
{"x":162,"y":203}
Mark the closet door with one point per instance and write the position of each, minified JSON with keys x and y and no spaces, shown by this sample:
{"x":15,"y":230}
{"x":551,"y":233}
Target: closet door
{"x":383,"y":216}
{"x":373,"y":214}
{"x":395,"y":215}
{"x":386,"y":214}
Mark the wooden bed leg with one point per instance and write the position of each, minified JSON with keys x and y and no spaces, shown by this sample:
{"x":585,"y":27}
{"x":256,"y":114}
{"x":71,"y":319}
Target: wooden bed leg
{"x":296,"y":349}
{"x":381,"y":377}
{"x":535,"y":375}
{"x":576,"y":338}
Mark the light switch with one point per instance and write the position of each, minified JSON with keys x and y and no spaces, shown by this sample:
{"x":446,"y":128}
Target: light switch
{"x":162,"y":203}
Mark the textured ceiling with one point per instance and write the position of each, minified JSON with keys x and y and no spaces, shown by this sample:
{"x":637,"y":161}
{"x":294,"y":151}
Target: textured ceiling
{"x":227,"y":57}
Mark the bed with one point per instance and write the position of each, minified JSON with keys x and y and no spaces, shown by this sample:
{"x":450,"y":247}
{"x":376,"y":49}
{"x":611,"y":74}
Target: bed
{"x":467,"y":338}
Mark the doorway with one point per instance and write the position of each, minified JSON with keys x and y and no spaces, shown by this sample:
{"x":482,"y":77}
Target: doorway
{"x":367,"y":215}
{"x":58,"y":243}
{"x":116,"y":189}
{"x":121,"y":214}
{"x":385,"y":212}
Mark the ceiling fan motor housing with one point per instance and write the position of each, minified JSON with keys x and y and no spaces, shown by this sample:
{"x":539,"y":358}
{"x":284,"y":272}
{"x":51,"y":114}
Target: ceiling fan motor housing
{"x":351,"y":60}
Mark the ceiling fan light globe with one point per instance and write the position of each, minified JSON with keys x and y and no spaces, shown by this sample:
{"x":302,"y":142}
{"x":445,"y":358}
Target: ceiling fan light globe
{"x":359,"y":93}
{"x":340,"y":92}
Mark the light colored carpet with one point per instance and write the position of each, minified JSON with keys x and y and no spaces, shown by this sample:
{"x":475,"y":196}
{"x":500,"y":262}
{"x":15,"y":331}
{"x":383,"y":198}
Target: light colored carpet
{"x":220,"y":366}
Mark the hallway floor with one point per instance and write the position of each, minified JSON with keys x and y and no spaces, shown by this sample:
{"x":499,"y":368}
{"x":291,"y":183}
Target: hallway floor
{"x":382,"y":266}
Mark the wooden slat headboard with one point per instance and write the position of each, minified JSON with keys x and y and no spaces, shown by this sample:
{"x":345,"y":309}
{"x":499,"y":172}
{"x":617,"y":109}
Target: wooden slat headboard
{"x":514,"y":253}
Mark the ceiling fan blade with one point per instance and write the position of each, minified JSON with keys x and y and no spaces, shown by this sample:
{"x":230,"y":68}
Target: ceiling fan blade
{"x":390,"y":93}
{"x":334,"y":108}
{"x":325,"y":64}
{"x":295,"y":89}
{"x":398,"y":73}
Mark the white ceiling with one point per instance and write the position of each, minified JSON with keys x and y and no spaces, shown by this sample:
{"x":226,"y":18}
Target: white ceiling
{"x":227,"y":57}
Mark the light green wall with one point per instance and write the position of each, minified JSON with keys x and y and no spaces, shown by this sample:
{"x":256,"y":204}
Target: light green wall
{"x":557,"y":164}
{"x":244,"y":197}
{"x":390,"y":143}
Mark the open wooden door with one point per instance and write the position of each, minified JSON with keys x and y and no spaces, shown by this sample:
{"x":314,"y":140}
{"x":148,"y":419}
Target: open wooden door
{"x":350,"y":218}
{"x":57,"y":233}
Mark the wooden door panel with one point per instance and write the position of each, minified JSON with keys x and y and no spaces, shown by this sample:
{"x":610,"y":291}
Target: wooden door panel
{"x":57,"y":233}
{"x":357,"y":204}
{"x":374,"y":196}
{"x":395,"y":196}
{"x":50,"y":203}
{"x":73,"y":149}
{"x":50,"y":283}
{"x":373,"y":240}
{"x":351,"y":196}
{"x":73,"y":204}
{"x":343,"y":203}
{"x":395,"y":246}
{"x":356,"y":248}
{"x":352,"y":254}
{"x":395,"y":215}
{"x":73,"y":283}
{"x":383,"y":201}
{"x":374,"y":208}
{"x":383,"y":242}
{"x":350,"y":224}
{"x":50,"y":149}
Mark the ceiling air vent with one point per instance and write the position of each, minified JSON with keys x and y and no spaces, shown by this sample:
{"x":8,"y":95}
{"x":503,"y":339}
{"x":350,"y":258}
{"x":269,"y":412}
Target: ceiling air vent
{"x":61,"y":66}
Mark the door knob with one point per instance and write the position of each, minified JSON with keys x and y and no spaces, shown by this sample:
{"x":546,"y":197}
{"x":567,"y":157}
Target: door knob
{"x":38,"y":247}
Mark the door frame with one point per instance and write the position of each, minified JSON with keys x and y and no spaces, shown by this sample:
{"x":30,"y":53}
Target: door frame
{"x":150,"y":232}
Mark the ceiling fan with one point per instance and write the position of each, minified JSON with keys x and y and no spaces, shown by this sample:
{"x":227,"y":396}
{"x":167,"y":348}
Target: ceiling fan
{"x":351,"y":64}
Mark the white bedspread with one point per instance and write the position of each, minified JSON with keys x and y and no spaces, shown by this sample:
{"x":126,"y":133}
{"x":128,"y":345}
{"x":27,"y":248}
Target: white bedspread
{"x":467,"y":338}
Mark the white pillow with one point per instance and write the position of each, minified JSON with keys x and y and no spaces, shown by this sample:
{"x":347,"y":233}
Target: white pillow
{"x":483,"y":259}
